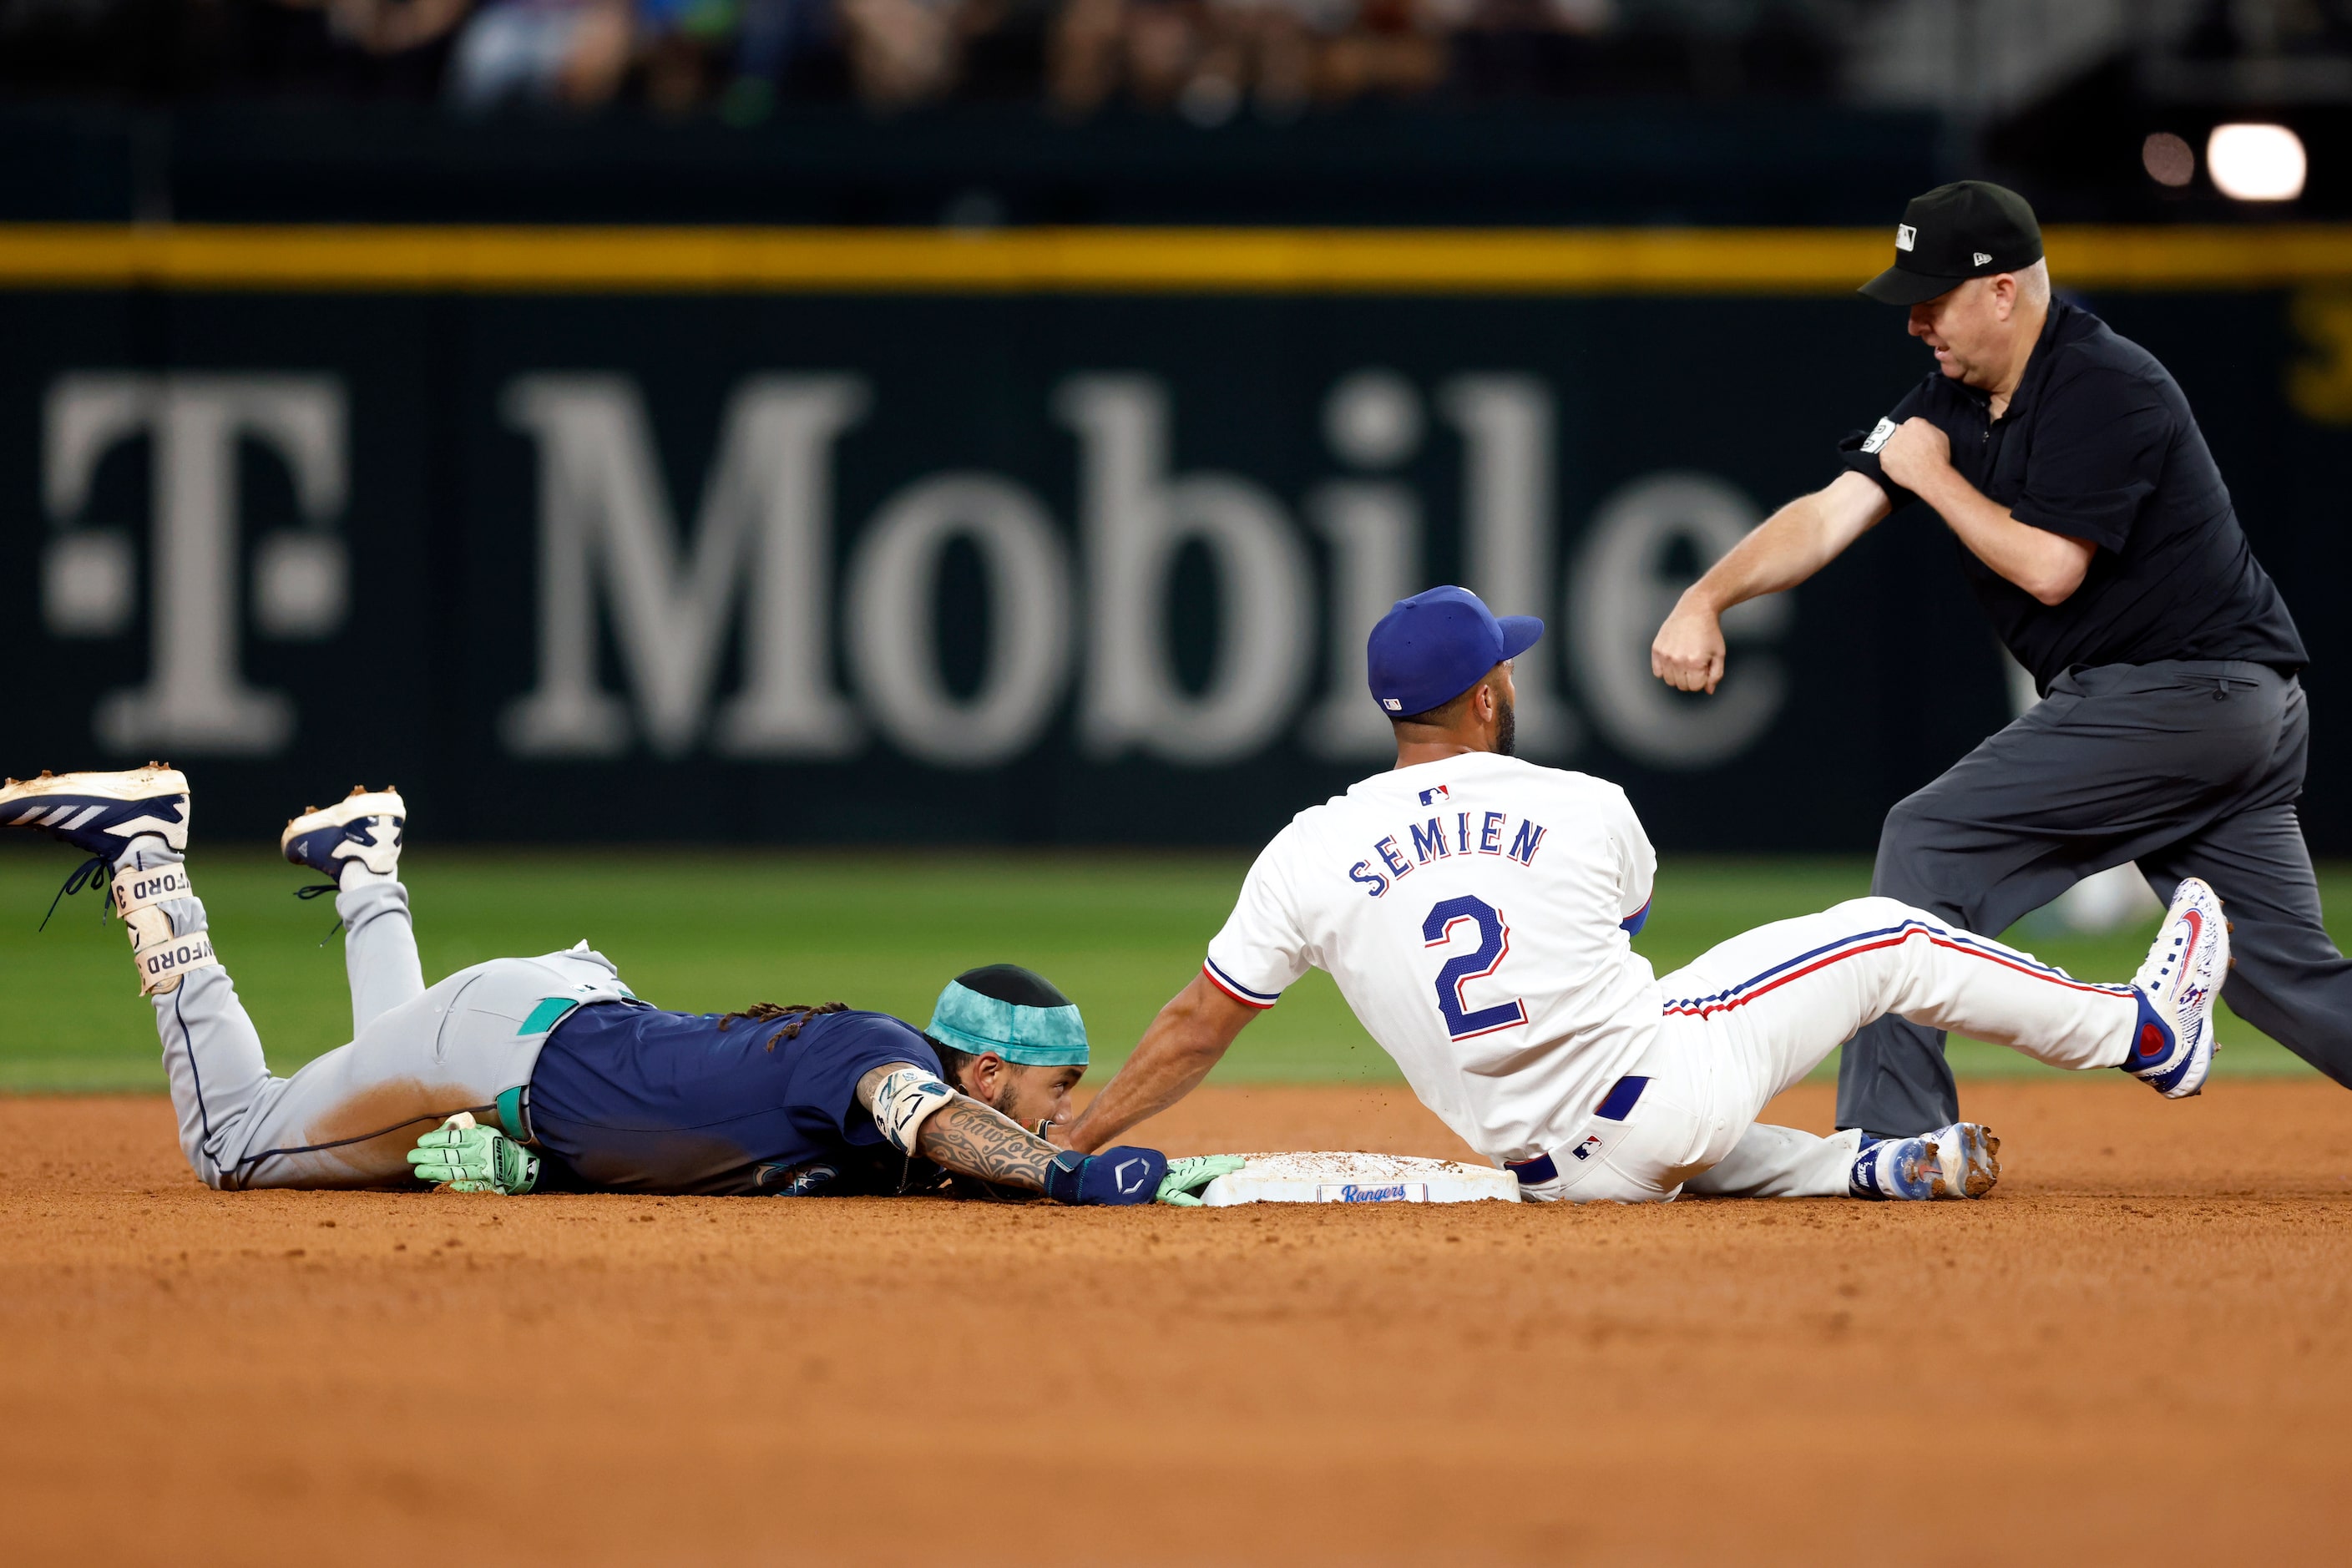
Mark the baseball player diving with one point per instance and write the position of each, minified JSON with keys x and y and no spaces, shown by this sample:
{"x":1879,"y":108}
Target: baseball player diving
{"x":2098,"y":537}
{"x":547,"y":1073}
{"x":1479,"y":911}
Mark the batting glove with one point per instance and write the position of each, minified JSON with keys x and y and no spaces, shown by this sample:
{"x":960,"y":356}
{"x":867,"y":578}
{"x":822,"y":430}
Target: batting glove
{"x":1120,"y":1176}
{"x":468,"y":1158}
{"x":1186,"y":1177}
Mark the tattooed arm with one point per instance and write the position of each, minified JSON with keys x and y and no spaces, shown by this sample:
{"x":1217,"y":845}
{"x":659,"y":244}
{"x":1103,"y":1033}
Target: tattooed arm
{"x":965,"y":1136}
{"x":970,"y":1137}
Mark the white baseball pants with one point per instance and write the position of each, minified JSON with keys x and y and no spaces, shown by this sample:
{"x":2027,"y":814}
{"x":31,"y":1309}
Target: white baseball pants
{"x":1753,"y":1015}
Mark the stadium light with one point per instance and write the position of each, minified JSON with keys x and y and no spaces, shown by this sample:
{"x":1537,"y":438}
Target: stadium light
{"x":2167,"y":159}
{"x":2256,"y":162}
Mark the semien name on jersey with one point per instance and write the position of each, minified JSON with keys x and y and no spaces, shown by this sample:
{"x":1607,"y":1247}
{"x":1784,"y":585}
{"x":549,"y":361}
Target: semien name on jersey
{"x":1441,"y":837}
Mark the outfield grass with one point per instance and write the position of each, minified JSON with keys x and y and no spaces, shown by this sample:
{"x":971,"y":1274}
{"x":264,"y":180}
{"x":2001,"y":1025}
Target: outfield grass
{"x":1121,"y":932}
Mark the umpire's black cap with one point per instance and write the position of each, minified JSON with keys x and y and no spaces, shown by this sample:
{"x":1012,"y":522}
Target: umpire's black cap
{"x":1966,"y":229}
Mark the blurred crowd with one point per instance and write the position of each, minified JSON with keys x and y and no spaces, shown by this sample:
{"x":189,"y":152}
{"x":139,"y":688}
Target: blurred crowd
{"x":1206,"y":61}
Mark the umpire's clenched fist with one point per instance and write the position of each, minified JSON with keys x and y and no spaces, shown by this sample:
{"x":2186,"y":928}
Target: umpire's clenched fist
{"x":1688,"y":652}
{"x":1916,"y":454}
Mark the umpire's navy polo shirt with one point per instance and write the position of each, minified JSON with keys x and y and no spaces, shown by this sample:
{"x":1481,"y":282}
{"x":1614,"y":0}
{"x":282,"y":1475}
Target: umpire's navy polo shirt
{"x":2098,"y":444}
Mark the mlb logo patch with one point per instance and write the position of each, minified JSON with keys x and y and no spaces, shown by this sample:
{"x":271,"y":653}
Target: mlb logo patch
{"x":1431,"y":796}
{"x":1904,"y":237}
{"x":1392,"y":704}
{"x":1588,"y":1148}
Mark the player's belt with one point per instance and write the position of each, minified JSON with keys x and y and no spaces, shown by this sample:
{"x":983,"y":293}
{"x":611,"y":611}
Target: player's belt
{"x":1615,"y":1106}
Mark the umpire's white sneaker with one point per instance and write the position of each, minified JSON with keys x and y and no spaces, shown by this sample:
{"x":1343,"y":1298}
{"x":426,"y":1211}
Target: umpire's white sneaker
{"x":363,"y":828}
{"x":2172,"y":1047}
{"x":100,"y":813}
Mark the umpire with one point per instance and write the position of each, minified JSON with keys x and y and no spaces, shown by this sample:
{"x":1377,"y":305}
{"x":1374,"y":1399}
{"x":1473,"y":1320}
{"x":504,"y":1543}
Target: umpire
{"x":2101,"y":542}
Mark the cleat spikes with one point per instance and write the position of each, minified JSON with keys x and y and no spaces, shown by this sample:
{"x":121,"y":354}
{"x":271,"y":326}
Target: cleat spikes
{"x":100,"y":813}
{"x":365,"y":825}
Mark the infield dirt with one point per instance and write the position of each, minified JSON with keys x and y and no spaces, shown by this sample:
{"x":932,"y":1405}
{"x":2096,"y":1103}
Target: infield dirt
{"x":2135,"y":1351}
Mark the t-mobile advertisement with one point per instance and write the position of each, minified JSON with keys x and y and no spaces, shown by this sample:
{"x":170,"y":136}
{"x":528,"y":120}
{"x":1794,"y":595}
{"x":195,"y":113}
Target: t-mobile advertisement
{"x":1028,"y":569}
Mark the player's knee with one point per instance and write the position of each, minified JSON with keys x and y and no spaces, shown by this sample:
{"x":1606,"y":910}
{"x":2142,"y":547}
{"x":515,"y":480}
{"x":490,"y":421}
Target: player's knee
{"x":1883,"y":913}
{"x":209,"y":1174}
{"x":1879,"y":912}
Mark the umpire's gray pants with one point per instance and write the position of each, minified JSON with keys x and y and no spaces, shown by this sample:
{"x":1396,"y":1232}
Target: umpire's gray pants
{"x":2190,"y":768}
{"x":416,"y":1055}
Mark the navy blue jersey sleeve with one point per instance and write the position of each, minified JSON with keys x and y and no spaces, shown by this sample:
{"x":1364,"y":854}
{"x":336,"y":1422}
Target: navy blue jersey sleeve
{"x":1859,"y":451}
{"x":2098,"y":453}
{"x":835,"y":1052}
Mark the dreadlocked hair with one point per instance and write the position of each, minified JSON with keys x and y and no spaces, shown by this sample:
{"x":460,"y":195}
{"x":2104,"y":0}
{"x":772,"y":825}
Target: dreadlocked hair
{"x":794,"y":1015}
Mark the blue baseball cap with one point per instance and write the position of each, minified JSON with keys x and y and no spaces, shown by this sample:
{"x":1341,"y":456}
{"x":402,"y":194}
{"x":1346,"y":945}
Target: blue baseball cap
{"x":1430,"y":648}
{"x":1014,"y":1012}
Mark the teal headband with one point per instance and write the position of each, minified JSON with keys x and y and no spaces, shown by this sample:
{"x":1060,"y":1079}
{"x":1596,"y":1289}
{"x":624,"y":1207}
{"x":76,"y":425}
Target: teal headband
{"x":1041,"y":1036}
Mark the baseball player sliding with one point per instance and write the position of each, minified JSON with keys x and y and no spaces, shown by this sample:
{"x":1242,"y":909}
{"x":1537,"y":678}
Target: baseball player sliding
{"x":1477,"y":912}
{"x":539,"y":1073}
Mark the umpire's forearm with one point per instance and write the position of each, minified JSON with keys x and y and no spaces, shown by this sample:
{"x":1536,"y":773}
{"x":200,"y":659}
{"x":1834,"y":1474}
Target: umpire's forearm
{"x":1189,"y":1037}
{"x":1791,"y":544}
{"x":1778,"y":554}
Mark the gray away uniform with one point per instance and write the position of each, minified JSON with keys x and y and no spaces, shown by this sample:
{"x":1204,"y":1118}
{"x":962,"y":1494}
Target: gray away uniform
{"x":417,"y":1054}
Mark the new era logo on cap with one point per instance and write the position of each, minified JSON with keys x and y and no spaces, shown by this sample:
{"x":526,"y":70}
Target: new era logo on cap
{"x":1953,"y":234}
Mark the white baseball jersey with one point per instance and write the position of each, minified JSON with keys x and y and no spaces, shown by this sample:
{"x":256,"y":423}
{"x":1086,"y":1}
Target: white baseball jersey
{"x":1474,"y":912}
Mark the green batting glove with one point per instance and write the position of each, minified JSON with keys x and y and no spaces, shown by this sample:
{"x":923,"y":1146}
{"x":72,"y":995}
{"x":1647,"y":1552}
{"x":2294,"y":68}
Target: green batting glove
{"x":468,"y":1158}
{"x":1185,"y":1177}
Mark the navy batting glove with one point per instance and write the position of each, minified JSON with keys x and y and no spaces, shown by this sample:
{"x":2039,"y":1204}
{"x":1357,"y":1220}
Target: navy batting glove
{"x":1113,"y":1176}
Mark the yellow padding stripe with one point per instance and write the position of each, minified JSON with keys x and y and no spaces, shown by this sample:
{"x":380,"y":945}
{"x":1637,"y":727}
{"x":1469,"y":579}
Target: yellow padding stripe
{"x":1104,"y":261}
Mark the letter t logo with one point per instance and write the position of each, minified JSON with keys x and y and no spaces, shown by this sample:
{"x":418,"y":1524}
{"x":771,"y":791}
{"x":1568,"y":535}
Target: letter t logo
{"x":195,"y":699}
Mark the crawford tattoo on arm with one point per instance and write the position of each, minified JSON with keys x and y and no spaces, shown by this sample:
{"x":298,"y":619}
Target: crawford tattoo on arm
{"x":972,"y":1140}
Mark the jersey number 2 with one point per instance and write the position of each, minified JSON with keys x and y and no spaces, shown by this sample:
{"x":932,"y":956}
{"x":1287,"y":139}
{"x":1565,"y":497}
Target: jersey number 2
{"x":1494,"y":945}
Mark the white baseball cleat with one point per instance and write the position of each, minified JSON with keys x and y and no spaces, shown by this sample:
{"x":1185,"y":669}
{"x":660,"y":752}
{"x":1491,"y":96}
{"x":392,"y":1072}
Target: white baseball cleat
{"x":1963,"y":1161}
{"x":2172,"y":1047}
{"x":103,"y":815}
{"x":100,"y":813}
{"x":1967,"y":1158}
{"x":1895,"y":1168}
{"x":364,"y":827}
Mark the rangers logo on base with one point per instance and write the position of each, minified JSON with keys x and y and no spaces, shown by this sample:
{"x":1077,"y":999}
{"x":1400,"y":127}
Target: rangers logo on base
{"x":1358,"y":1178}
